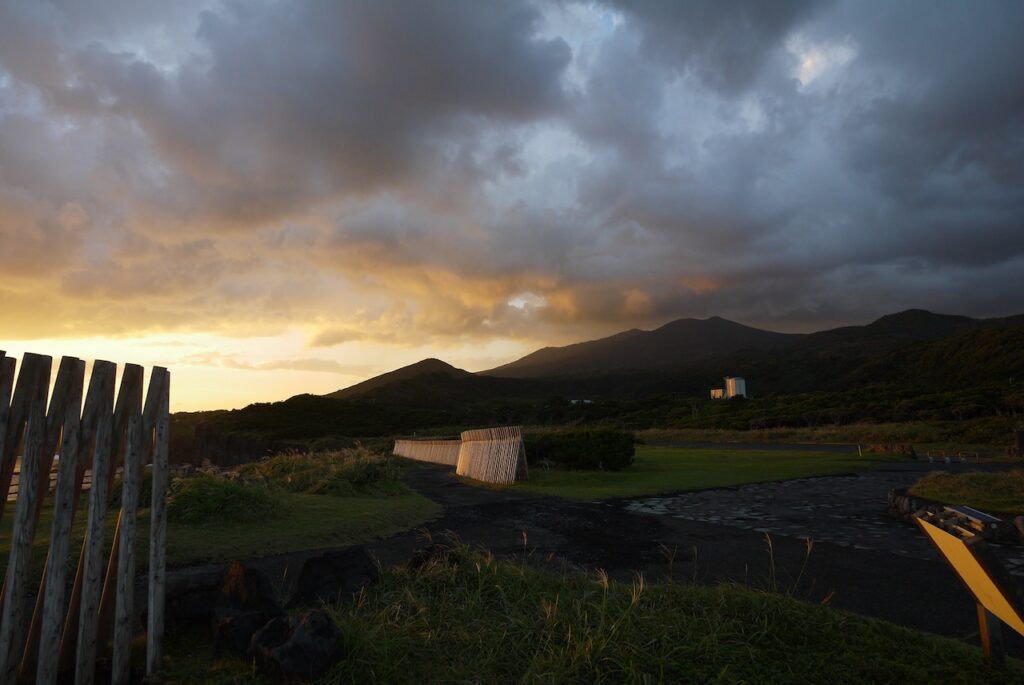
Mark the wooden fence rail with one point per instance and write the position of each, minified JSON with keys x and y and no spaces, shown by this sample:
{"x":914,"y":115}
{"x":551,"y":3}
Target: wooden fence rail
{"x":493,"y":455}
{"x":66,"y":629}
{"x":434,"y":451}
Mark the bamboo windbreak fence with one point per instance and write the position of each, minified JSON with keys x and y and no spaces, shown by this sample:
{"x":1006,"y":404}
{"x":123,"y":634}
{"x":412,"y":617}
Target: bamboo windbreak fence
{"x":72,"y":619}
{"x":434,"y":451}
{"x":493,"y":455}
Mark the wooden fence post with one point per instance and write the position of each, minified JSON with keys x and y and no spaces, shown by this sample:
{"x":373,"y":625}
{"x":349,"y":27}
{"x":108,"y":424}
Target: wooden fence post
{"x":129,"y":404}
{"x":67,"y":393}
{"x":83,"y":623}
{"x":33,"y":368}
{"x":159,"y":387}
{"x":123,"y":624}
{"x":96,"y":435}
{"x":63,"y":517}
{"x":12,"y":628}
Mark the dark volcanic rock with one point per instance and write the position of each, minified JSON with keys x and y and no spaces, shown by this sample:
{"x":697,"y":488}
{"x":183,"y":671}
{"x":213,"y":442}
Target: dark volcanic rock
{"x":191,"y":602}
{"x":331,"y":575}
{"x":303,"y":647}
{"x":234,"y":633}
{"x":245,"y":604}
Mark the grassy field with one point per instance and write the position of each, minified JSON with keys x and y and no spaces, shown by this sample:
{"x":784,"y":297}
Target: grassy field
{"x":286,"y":504}
{"x":670,"y":469}
{"x":483,"y":621}
{"x":922,"y":436}
{"x":305,"y":522}
{"x":998,"y":492}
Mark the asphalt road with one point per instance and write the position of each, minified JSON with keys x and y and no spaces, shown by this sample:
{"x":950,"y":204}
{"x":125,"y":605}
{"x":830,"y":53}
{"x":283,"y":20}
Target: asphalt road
{"x":893,"y":577}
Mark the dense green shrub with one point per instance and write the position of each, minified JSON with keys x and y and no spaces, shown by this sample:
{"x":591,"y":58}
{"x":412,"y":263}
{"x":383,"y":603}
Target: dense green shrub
{"x":202,"y":498}
{"x":583,"y":449}
{"x":341,"y":473}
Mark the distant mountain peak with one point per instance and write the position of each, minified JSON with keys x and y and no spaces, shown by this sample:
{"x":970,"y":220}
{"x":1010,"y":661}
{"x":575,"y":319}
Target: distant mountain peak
{"x":424,"y":367}
{"x":431,"y":364}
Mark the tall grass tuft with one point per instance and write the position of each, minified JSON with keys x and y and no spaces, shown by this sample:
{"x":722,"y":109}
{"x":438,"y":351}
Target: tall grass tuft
{"x":487,"y":621}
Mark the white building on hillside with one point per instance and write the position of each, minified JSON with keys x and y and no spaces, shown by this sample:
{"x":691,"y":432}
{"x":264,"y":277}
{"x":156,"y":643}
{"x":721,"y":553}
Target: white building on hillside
{"x":735,"y":386}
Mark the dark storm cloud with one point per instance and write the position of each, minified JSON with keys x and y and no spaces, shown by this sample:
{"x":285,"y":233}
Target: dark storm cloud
{"x":293,"y":102}
{"x":397,"y":171}
{"x":727,"y":43}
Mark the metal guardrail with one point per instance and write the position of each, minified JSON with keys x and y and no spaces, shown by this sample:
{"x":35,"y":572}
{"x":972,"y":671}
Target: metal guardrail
{"x":961,"y":457}
{"x":12,"y":493}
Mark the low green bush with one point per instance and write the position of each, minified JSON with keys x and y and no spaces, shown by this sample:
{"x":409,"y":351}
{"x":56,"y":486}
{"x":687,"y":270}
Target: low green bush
{"x":604,"y":449}
{"x":202,"y":498}
{"x":340,"y":473}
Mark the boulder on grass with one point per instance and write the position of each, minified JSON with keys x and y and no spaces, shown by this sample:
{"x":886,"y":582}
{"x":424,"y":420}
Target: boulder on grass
{"x":333,"y":575}
{"x":234,"y":633}
{"x":301,"y":648}
{"x":244,"y":605}
{"x":190,"y":597}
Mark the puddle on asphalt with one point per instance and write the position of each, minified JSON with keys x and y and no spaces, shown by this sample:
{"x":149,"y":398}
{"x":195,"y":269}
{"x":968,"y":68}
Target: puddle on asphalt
{"x":848,"y":511}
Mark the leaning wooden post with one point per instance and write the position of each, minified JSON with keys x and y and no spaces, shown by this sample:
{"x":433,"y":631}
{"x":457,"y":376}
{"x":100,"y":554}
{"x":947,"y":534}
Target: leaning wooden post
{"x":67,"y":392}
{"x":12,"y":620}
{"x":99,"y":403}
{"x":6,"y":387}
{"x":85,"y":626}
{"x":121,"y":667}
{"x":33,"y":369}
{"x":158,"y":519}
{"x":129,"y":404}
{"x":63,"y":516}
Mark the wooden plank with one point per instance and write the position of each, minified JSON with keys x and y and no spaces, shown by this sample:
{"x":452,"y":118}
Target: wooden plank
{"x":67,"y":387}
{"x":158,"y":520}
{"x":16,"y":586}
{"x":33,"y":367}
{"x":97,"y":414}
{"x":92,"y":555}
{"x":129,"y":404}
{"x":52,"y":611}
{"x":123,"y":623}
{"x":7,"y":365}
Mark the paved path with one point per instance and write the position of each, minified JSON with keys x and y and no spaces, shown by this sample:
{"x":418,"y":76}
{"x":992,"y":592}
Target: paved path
{"x":871,"y":565}
{"x":844,"y":510}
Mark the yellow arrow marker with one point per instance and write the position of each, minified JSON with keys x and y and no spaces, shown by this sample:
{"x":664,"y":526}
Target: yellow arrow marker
{"x":974,"y":576}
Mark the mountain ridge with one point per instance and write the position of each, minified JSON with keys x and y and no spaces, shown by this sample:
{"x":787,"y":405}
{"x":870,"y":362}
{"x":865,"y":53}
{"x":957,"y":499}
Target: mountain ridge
{"x":694,"y":350}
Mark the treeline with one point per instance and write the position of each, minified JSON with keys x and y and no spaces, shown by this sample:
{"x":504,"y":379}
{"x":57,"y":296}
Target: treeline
{"x":984,"y":415}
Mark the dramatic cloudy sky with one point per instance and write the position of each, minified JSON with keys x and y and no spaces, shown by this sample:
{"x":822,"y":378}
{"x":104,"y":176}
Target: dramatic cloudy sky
{"x":278,"y":197}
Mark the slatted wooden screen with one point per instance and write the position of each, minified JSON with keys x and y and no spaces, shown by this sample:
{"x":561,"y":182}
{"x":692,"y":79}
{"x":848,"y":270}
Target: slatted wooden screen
{"x":433,"y":451}
{"x":493,"y":455}
{"x":73,"y":619}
